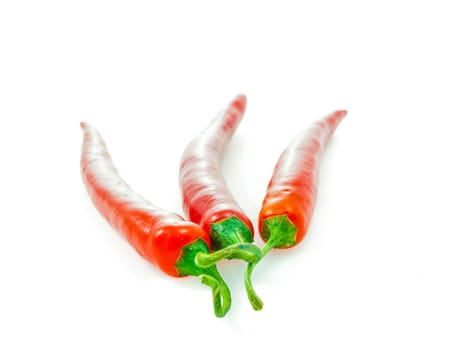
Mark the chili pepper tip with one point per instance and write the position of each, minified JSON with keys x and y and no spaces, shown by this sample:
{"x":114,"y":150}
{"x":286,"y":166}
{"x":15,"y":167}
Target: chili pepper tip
{"x":342,"y":112}
{"x":240,"y":102}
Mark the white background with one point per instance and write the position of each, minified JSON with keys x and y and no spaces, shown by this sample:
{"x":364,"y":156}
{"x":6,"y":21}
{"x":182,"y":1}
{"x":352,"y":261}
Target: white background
{"x":384,"y":263}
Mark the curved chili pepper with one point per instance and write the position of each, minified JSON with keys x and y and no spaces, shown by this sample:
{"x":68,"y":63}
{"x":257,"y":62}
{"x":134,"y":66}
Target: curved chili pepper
{"x":163,"y":238}
{"x":290,"y":198}
{"x":207,"y":200}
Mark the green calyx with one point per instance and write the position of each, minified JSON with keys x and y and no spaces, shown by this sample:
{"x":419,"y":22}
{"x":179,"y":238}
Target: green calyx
{"x":228,"y":232}
{"x":279,"y":232}
{"x":187,"y":266}
{"x":231,"y":239}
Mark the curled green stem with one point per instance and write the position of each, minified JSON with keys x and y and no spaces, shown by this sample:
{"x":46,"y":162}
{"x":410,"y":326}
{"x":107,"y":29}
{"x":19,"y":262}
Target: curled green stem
{"x":210,"y":276}
{"x":220,"y":294}
{"x":244,"y":251}
{"x":279,"y":232}
{"x":254,"y":299}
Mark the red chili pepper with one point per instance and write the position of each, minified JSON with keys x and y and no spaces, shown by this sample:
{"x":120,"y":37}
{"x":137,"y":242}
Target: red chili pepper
{"x":163,"y":238}
{"x":206,"y":198}
{"x":290,"y":198}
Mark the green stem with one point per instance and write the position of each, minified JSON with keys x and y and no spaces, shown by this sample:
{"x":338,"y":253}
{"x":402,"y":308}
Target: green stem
{"x":254,"y":299}
{"x":221,"y":298}
{"x":280,"y":232}
{"x":244,"y":251}
{"x":187,"y":266}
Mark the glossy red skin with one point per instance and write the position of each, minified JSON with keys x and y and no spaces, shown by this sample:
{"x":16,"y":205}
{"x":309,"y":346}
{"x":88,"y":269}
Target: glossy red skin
{"x":292,"y":189}
{"x":157,"y":235}
{"x":206,"y":197}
